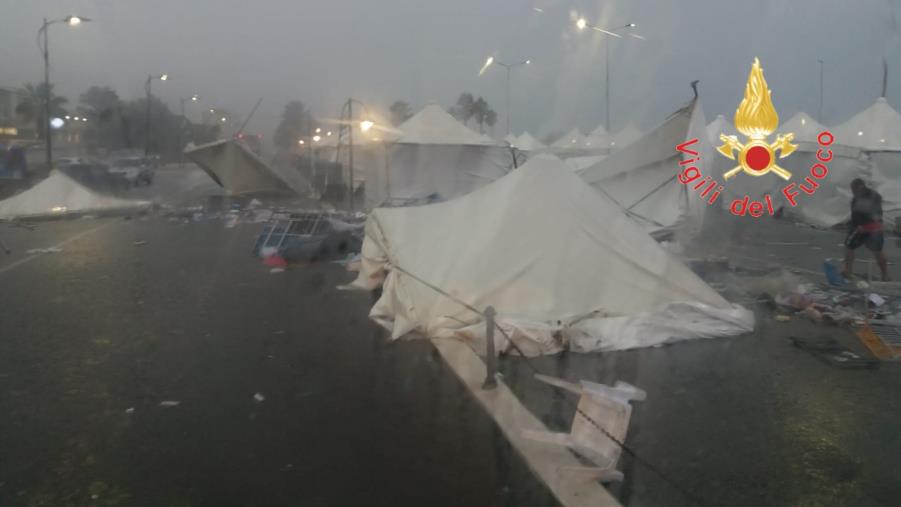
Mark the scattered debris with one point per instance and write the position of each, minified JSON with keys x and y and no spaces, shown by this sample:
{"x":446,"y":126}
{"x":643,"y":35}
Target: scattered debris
{"x":51,"y":249}
{"x":876,"y":299}
{"x":170,"y":403}
{"x":130,"y":410}
{"x":259,"y":398}
{"x":277,"y":270}
{"x":783,"y":318}
{"x":140,"y":243}
{"x":275,"y":261}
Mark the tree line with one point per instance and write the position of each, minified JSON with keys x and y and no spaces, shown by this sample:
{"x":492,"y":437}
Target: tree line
{"x":115,"y":124}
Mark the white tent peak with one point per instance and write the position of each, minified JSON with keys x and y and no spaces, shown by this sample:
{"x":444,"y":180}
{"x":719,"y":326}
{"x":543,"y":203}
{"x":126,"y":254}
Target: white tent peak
{"x":572,"y":139}
{"x":526,"y":142}
{"x":433,"y":125}
{"x":876,"y":128}
{"x":802,"y":126}
{"x":720,"y":125}
{"x":59,"y":194}
{"x":600,"y":131}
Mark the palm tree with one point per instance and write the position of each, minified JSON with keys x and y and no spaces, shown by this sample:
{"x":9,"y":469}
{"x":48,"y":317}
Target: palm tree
{"x":31,"y":108}
{"x":465,"y":108}
{"x":400,"y":112}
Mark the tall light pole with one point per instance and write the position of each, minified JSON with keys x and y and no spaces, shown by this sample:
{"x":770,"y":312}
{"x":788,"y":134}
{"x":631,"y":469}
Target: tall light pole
{"x":582,"y":24}
{"x":45,"y":121}
{"x":508,"y":66}
{"x":820,"y":109}
{"x":150,"y":78}
{"x":365,"y":125}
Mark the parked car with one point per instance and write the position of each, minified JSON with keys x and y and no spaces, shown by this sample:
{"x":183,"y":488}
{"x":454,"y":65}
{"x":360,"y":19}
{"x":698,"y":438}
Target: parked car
{"x":136,"y":170}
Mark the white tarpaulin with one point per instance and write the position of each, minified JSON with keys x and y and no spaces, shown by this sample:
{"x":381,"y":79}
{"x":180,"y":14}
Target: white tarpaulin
{"x":436,"y":154}
{"x":805,"y":128}
{"x":642,"y":177}
{"x":238,"y":170}
{"x":563,"y":272}
{"x":60,"y":195}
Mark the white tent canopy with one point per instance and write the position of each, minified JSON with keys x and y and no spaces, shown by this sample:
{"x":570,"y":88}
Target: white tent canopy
{"x":720,"y":125}
{"x":526,"y":142}
{"x":435,"y":154}
{"x":641,"y":177}
{"x":574,"y":139}
{"x":876,"y":128}
{"x":237,"y":169}
{"x":510,"y":139}
{"x":575,"y":267}
{"x":433,"y":125}
{"x":60,"y":195}
{"x":625,"y":137}
{"x":805,"y":128}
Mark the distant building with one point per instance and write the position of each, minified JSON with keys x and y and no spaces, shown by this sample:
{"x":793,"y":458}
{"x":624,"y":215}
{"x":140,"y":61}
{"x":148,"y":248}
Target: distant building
{"x":11,"y":125}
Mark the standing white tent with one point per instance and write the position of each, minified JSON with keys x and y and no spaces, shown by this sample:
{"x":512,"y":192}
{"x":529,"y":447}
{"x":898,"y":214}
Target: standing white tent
{"x":61,"y":195}
{"x":436,"y":154}
{"x":598,"y":141}
{"x":805,"y":128}
{"x":574,"y":269}
{"x":642,"y":177}
{"x":877,"y":130}
{"x":625,"y":137}
{"x":525,"y":142}
{"x":572,"y":140}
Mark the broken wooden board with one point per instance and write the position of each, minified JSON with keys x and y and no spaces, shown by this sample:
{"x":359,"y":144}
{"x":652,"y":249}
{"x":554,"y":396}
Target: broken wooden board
{"x":547,"y":462}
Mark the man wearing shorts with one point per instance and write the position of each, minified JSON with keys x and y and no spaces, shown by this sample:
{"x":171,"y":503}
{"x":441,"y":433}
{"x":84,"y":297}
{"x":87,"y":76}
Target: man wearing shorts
{"x":865,"y":227}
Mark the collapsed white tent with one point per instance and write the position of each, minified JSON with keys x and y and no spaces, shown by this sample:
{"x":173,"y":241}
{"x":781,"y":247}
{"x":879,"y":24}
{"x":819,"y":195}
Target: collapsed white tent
{"x":436,"y":154}
{"x":59,"y":194}
{"x":238,"y":170}
{"x":642,"y":177}
{"x":573,"y":271}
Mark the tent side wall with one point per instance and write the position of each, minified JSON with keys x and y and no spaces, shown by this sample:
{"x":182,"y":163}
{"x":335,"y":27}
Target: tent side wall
{"x":417,"y":170}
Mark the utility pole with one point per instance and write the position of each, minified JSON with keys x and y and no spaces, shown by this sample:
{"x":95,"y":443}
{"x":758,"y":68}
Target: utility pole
{"x":45,"y":122}
{"x":350,"y":154}
{"x":820,"y":109}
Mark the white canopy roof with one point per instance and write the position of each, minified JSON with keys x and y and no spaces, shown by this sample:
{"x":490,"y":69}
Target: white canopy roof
{"x":876,"y":128}
{"x":526,"y":142}
{"x":60,"y":195}
{"x":625,"y":137}
{"x":510,"y":139}
{"x":720,"y":125}
{"x":803,"y":126}
{"x":564,"y":260}
{"x":642,"y":176}
{"x":572,"y":139}
{"x":434,"y":125}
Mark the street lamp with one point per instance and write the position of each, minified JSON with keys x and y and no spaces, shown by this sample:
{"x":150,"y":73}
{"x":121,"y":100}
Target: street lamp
{"x":150,"y":78}
{"x":45,"y":121}
{"x":582,"y":24}
{"x":820,"y":109}
{"x":508,"y":66}
{"x":365,"y":125}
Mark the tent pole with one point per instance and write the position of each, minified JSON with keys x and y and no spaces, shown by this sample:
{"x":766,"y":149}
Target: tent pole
{"x":490,"y":357}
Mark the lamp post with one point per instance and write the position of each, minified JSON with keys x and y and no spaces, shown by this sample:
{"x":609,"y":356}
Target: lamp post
{"x":45,"y":122}
{"x":150,"y":78}
{"x":181,"y":127}
{"x":508,"y":66}
{"x":365,"y":125}
{"x":582,"y":24}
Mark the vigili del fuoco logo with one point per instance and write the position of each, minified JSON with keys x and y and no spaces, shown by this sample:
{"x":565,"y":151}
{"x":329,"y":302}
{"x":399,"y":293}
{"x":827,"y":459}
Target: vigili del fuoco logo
{"x":756,"y":118}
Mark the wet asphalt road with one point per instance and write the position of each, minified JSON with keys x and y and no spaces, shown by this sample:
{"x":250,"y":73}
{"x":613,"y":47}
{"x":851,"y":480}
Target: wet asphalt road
{"x":107,"y":326}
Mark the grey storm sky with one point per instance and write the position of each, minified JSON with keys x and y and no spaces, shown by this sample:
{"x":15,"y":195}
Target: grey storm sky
{"x":233,"y":52}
